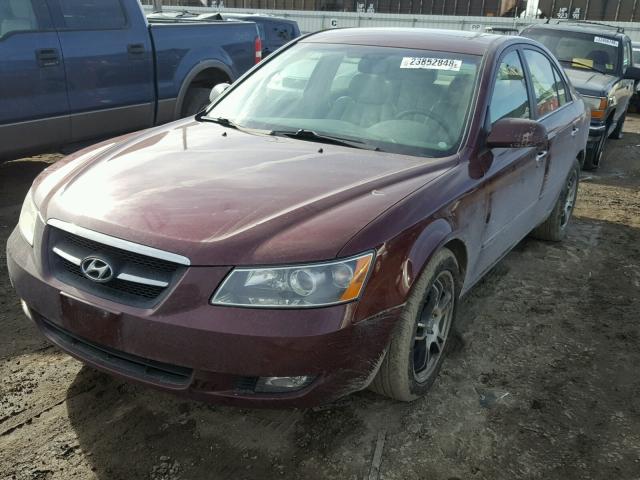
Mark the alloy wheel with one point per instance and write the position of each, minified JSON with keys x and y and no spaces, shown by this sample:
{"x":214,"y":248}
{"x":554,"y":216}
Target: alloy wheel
{"x":570,"y":199}
{"x":433,"y":326}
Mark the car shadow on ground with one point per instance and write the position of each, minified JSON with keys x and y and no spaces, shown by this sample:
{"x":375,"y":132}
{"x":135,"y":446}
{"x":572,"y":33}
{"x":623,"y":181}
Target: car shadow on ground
{"x":615,"y":170}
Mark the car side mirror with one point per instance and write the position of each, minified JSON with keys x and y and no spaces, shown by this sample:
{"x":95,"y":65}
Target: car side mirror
{"x":217,"y":91}
{"x":632,"y":73}
{"x":517,"y":133}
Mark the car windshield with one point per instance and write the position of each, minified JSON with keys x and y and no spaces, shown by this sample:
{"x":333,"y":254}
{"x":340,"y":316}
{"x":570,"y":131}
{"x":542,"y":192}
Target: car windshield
{"x":581,"y":50}
{"x":412,"y":102}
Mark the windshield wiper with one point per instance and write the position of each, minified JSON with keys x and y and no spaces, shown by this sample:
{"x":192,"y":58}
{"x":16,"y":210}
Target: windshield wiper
{"x":312,"y":136}
{"x":225,"y":122}
{"x":580,"y":64}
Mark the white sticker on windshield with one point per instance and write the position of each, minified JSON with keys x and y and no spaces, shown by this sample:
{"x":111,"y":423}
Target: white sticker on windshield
{"x":606,"y":41}
{"x":431,"y":63}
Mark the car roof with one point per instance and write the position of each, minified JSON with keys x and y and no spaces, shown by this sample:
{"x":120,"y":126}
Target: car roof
{"x":472,"y":43}
{"x":591,"y":28}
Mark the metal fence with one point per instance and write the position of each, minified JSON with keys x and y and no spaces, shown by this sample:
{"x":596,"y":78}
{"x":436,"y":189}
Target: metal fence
{"x":607,"y":10}
{"x":310,"y":21}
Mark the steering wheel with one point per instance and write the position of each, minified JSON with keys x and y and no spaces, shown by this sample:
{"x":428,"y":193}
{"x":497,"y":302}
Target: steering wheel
{"x":430,"y":115}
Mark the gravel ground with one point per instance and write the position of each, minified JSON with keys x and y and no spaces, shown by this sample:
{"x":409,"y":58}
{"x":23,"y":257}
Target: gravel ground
{"x":543,"y":383}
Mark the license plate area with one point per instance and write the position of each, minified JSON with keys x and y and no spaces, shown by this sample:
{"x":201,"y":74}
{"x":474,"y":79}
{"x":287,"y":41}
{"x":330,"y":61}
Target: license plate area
{"x":90,"y":322}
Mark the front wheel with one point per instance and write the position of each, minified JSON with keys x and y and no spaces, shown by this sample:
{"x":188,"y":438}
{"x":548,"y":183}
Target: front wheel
{"x":420,"y":340}
{"x":617,"y":132}
{"x":555,"y":226}
{"x":594,"y":156}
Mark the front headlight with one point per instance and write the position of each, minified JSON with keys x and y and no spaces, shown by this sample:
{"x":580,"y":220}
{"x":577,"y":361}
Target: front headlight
{"x":598,"y":106}
{"x":300,"y":286}
{"x":28,"y":216}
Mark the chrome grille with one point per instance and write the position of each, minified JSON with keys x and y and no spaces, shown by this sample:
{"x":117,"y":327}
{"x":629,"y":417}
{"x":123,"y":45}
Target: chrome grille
{"x":138,"y":279}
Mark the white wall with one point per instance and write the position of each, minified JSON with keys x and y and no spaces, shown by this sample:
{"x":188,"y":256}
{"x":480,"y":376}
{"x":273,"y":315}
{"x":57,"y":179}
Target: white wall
{"x":311,"y":21}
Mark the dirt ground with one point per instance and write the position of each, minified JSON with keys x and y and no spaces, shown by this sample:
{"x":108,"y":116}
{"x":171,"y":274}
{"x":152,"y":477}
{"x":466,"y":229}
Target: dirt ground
{"x":544,"y":384}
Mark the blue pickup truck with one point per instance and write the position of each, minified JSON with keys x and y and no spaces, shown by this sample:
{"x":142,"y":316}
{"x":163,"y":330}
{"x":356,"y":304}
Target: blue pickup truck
{"x":73,"y":70}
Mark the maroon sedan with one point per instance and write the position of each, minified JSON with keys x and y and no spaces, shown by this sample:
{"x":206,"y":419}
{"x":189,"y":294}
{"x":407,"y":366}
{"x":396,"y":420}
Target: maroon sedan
{"x":310,"y":233}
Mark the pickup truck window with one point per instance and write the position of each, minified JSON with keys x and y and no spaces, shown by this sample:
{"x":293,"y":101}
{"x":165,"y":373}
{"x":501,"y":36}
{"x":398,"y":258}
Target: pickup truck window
{"x":510,"y":98}
{"x":581,"y":50}
{"x":544,"y":82}
{"x":16,"y":15}
{"x":279,"y":34}
{"x":92,"y":14}
{"x":627,"y":55}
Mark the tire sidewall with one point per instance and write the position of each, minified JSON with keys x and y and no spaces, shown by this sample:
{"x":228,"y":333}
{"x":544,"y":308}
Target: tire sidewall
{"x":562,"y":229}
{"x":441,"y":261}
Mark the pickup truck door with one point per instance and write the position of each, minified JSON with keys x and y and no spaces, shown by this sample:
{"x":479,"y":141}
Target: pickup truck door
{"x":623,"y":90}
{"x":33,"y":95}
{"x":109,"y":65}
{"x":514,"y":179}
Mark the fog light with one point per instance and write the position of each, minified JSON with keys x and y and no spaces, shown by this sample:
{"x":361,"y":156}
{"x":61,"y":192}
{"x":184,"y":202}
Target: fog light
{"x":282,"y":384}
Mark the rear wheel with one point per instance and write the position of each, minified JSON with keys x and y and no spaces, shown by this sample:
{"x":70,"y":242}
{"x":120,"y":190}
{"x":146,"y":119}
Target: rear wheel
{"x":420,"y":340}
{"x":555,"y":226}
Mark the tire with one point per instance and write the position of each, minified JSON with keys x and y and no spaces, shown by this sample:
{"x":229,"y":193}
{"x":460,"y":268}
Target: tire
{"x":195,"y":100}
{"x":555,"y":226}
{"x":617,"y":132}
{"x":398,"y":377}
{"x":594,"y":157}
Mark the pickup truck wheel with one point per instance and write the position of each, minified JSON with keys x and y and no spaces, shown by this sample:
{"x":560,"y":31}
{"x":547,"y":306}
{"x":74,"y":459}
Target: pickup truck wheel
{"x":555,"y":226}
{"x":594,"y":156}
{"x":419,"y":342}
{"x":617,"y":132}
{"x":195,"y":100}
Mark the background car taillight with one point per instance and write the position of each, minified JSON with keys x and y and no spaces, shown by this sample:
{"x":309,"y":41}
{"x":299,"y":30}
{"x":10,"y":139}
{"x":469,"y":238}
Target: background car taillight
{"x":258,"y":48}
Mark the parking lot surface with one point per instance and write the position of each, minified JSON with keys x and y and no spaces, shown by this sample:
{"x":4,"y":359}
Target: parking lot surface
{"x":543,"y":381}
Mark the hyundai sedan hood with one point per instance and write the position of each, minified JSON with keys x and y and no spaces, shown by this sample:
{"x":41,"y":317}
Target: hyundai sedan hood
{"x":225,"y":197}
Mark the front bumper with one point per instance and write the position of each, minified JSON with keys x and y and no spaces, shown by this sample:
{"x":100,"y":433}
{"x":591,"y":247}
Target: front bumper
{"x":187,"y":346}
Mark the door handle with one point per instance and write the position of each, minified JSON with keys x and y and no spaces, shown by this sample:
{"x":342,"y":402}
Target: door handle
{"x":135,"y":48}
{"x":48,"y":57}
{"x":574,"y":131}
{"x":541,"y":156}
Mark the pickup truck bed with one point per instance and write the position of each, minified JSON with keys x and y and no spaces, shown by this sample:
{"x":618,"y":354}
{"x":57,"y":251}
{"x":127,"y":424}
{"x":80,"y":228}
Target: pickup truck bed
{"x":101,"y":70}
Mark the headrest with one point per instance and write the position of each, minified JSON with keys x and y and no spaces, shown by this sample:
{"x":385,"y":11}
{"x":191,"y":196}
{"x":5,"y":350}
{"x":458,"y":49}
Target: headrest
{"x":599,"y":57}
{"x":372,"y":64}
{"x":420,"y":76}
{"x":21,"y":9}
{"x":366,"y":88}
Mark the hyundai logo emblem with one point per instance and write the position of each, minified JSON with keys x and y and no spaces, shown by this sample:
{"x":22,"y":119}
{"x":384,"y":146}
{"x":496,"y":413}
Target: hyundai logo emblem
{"x":96,"y":269}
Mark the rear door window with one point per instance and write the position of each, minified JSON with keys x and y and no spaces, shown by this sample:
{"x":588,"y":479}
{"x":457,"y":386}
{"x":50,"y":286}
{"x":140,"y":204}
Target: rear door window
{"x":561,"y":87}
{"x":92,"y":14}
{"x":510,"y":97}
{"x":543,"y":81}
